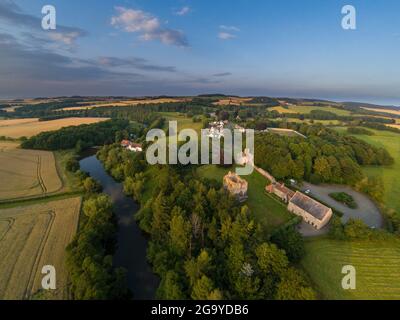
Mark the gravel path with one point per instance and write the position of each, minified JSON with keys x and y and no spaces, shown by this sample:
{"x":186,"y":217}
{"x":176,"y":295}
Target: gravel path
{"x":367,"y":211}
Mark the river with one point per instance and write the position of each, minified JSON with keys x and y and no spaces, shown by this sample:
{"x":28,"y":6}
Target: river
{"x":132,"y":244}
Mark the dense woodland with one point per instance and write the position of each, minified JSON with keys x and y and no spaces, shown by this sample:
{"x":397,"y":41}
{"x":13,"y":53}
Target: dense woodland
{"x":325,"y":156}
{"x":78,"y":137}
{"x":203,"y":244}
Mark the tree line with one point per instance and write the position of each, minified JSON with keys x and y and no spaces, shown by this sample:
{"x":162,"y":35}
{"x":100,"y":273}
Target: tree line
{"x":84,"y":136}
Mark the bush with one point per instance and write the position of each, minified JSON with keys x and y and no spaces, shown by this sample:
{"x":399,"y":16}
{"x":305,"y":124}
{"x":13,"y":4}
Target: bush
{"x":355,"y":130}
{"x":344,"y":198}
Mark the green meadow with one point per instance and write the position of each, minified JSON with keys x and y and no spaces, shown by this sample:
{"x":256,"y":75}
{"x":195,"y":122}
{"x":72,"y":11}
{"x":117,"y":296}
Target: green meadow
{"x":376,"y":264}
{"x":390,"y":175}
{"x":308,"y":109}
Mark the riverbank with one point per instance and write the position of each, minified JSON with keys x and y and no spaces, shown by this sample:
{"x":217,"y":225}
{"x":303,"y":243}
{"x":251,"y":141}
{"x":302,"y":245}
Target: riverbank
{"x":132,"y":244}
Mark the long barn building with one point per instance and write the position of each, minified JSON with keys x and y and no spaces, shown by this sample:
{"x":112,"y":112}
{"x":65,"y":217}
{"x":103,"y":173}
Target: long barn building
{"x":312,"y":211}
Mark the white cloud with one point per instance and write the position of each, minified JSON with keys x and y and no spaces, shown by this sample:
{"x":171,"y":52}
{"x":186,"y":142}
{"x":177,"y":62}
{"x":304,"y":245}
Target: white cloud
{"x":67,"y":38}
{"x":150,"y":28}
{"x":226,"y":35}
{"x":229,"y":28}
{"x":184,"y":11}
{"x":227,"y":32}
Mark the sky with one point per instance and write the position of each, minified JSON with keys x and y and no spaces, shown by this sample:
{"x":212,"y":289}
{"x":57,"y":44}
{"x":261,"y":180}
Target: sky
{"x":280,"y":48}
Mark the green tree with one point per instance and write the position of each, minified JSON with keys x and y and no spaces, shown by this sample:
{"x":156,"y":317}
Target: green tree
{"x":290,"y":240}
{"x":204,"y":289}
{"x":180,"y":231}
{"x":170,"y":287}
{"x":293,"y":286}
{"x":271,"y":260}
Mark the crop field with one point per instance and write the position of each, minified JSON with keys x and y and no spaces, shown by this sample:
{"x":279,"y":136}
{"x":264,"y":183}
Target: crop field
{"x":14,"y":122}
{"x":31,"y":127}
{"x":396,"y":112}
{"x":376,"y":263}
{"x":235,"y":101}
{"x":390,"y":175}
{"x":126,"y":103}
{"x":26,"y":173}
{"x":268,"y":211}
{"x":308,"y":109}
{"x":32,"y":237}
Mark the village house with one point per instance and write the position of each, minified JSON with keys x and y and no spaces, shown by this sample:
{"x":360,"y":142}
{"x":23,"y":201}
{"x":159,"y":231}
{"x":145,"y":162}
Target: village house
{"x":216,"y":130}
{"x":312,"y":212}
{"x":236,"y":186}
{"x":131,"y":146}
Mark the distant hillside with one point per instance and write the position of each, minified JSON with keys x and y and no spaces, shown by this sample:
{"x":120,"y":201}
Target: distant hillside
{"x":367,"y":105}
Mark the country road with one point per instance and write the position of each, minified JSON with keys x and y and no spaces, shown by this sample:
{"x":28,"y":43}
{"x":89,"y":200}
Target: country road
{"x":366,"y":211}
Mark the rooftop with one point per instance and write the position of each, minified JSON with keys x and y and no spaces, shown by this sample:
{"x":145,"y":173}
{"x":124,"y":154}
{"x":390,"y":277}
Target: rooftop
{"x":283,"y":189}
{"x":310,"y":205}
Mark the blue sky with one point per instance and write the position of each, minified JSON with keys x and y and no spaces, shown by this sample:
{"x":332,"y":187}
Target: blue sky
{"x":153,"y":47}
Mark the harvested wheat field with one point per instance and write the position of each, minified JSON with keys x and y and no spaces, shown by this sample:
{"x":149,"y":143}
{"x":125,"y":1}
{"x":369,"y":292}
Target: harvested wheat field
{"x":26,"y":173}
{"x":234,"y":101}
{"x":127,"y":103}
{"x":32,"y":237}
{"x":27,"y":128}
{"x":392,"y":111}
{"x":13,"y":122}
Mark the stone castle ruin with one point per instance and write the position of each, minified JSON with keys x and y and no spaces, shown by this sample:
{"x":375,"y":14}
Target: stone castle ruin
{"x":236,"y":186}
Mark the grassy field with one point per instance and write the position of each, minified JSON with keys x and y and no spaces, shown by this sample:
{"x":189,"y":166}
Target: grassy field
{"x":26,"y":173}
{"x":183,"y":121}
{"x":308,"y":109}
{"x":31,"y":127}
{"x":32,"y":237}
{"x":376,"y":262}
{"x":308,"y":121}
{"x":269,"y":212}
{"x":389,"y":174}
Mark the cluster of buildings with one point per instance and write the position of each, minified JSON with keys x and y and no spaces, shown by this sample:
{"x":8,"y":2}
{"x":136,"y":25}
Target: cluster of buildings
{"x":131,"y":146}
{"x":216,"y":130}
{"x":312,"y":211}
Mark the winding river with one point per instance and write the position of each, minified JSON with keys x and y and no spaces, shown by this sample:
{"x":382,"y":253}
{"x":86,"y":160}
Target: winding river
{"x":132,"y":244}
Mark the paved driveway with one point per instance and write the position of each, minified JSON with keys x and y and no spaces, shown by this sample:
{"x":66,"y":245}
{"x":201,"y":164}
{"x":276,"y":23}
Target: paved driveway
{"x":367,"y":211}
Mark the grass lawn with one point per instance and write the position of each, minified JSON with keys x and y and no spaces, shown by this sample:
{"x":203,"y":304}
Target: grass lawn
{"x":376,"y":263}
{"x":183,"y":121}
{"x":389,"y":174}
{"x":269,"y":212}
{"x":308,"y":109}
{"x":308,"y":121}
